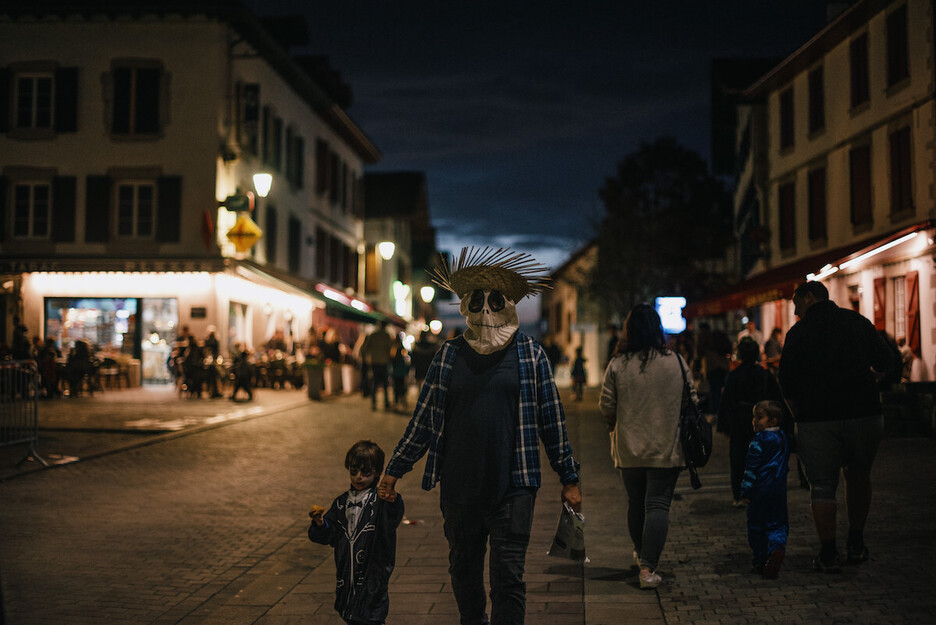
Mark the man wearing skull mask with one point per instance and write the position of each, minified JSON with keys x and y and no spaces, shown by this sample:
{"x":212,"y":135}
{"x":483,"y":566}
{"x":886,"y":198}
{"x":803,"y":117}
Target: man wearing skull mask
{"x":489,"y":395}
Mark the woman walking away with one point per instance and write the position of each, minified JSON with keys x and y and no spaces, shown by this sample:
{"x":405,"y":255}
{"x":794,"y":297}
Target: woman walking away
{"x":640,"y":400}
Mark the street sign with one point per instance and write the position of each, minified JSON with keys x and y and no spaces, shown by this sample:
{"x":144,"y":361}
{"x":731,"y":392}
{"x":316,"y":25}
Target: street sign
{"x":244,"y":233}
{"x":237,"y":203}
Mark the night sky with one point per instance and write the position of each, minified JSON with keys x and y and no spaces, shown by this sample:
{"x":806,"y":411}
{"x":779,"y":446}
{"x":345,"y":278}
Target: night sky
{"x":518,"y":110}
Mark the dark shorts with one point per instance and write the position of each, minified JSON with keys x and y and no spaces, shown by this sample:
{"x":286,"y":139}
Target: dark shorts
{"x":827,"y":447}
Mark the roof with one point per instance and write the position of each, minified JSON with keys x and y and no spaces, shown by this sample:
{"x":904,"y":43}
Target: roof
{"x":837,"y":31}
{"x":242,"y":20}
{"x":395,"y":194}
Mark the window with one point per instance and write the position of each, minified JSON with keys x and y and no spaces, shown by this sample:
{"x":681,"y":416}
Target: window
{"x":900,"y":308}
{"x":270,"y":235}
{"x":31,"y":210}
{"x":860,"y":83}
{"x":335,"y":270}
{"x":136,"y":204}
{"x":898,"y":66}
{"x":901,"y":190}
{"x":859,"y":160}
{"x":322,"y":162}
{"x":137,"y":93}
{"x":295,"y":158}
{"x":321,"y":251}
{"x":370,"y":269}
{"x":295,"y":244}
{"x":817,"y":204}
{"x":248,"y":126}
{"x":786,"y":118}
{"x":787,"y":202}
{"x":272,"y":139}
{"x":816,"y":100}
{"x":34,"y":97}
{"x":334,"y":184}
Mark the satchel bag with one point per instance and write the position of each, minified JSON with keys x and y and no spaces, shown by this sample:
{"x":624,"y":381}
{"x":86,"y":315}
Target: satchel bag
{"x":569,"y":541}
{"x":695,"y":432}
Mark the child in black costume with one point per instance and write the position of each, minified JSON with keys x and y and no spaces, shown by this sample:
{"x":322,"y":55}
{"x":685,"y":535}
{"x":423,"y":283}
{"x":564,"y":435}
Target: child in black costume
{"x":362,"y":529}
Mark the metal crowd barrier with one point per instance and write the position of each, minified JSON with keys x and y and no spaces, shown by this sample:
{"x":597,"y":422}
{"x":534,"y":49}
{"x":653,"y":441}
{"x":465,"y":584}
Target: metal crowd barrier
{"x":19,"y":409}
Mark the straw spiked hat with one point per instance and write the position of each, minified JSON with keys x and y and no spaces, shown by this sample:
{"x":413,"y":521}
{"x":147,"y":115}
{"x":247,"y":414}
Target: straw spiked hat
{"x":514,"y":274}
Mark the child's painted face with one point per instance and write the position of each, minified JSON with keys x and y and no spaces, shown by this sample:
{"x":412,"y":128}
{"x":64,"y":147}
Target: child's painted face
{"x":762,"y":422}
{"x":362,"y":478}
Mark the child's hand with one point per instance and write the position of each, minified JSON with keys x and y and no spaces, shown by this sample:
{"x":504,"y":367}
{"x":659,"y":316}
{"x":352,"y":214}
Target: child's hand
{"x":317,"y":514}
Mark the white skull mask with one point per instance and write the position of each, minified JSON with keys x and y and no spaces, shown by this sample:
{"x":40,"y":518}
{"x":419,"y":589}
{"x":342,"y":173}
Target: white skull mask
{"x":492,"y":320}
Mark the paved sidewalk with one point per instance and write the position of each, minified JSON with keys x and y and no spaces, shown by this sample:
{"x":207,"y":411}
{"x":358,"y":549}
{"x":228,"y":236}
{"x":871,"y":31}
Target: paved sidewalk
{"x":224,"y":538}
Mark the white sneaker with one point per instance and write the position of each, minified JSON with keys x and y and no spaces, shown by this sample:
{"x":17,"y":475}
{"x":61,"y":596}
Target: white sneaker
{"x":649,"y":579}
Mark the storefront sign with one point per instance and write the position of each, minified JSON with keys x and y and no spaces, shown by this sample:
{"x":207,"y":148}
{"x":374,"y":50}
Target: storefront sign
{"x":102,"y":264}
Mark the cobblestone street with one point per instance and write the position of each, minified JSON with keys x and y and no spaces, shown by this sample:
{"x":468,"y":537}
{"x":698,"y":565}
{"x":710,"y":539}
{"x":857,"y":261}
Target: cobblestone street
{"x":205,"y":522}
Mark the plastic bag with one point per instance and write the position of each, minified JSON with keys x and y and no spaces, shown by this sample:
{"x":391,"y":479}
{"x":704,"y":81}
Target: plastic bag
{"x":569,"y":541}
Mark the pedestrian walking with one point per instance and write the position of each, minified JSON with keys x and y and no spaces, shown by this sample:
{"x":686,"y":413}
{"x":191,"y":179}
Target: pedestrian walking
{"x":489,"y":394}
{"x":399,"y":372}
{"x":640,"y":400}
{"x":243,"y":375}
{"x":828,"y":372}
{"x":764,"y":489}
{"x":362,"y":530}
{"x":579,"y":375}
{"x":376,"y":350}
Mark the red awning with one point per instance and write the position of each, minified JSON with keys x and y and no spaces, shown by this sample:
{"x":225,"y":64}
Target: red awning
{"x":780,"y":282}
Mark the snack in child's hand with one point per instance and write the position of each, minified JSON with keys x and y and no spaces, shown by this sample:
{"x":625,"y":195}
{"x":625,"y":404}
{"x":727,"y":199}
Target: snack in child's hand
{"x":316,"y":511}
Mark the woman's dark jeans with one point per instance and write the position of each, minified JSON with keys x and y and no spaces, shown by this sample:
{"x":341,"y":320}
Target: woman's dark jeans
{"x":508,"y":526}
{"x":649,"y":494}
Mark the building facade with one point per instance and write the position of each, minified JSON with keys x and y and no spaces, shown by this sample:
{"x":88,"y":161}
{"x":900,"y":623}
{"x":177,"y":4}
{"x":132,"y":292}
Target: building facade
{"x":836,"y":178}
{"x":129,"y":142}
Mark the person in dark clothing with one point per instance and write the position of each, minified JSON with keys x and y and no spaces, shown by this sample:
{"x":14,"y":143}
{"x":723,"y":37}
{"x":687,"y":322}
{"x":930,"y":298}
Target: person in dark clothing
{"x":48,"y":367}
{"x":421,"y":357}
{"x":488,"y":399}
{"x":243,"y":375}
{"x":744,"y":387}
{"x":77,"y":367}
{"x":579,"y":375}
{"x":829,"y":370}
{"x":717,"y":365}
{"x":361,"y":528}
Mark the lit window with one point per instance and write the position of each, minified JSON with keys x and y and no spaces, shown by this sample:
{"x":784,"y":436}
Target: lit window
{"x":31,"y":210}
{"x":900,"y":307}
{"x":135,"y":210}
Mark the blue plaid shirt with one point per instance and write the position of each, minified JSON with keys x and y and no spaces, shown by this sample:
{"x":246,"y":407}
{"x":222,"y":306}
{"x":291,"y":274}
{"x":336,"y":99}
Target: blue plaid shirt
{"x":541,"y":415}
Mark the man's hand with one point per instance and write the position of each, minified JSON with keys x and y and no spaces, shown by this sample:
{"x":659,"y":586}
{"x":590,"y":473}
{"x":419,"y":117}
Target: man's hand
{"x":573,"y":496}
{"x":386,"y":490}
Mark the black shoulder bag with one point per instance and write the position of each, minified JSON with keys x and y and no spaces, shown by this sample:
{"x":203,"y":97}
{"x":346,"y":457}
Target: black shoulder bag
{"x":694,"y":430}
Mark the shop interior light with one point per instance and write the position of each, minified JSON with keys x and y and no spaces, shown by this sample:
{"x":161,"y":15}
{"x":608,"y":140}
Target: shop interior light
{"x":435,"y":326}
{"x":878,"y":250}
{"x":386,"y":249}
{"x":824,"y":273}
{"x":262,"y":183}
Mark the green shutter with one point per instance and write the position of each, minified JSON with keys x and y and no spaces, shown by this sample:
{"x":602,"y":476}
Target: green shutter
{"x":97,"y":209}
{"x":63,"y":209}
{"x":169,"y":213}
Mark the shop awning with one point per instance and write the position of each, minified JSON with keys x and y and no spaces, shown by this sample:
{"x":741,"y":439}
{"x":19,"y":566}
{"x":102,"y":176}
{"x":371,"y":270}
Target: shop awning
{"x":342,"y":311}
{"x":780,"y":282}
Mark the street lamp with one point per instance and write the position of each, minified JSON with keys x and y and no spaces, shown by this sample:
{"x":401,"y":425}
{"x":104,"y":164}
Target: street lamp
{"x":262,"y":183}
{"x":386,"y":249}
{"x":427,"y":293}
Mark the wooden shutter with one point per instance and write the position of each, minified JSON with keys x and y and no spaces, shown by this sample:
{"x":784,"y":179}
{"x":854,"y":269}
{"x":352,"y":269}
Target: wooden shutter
{"x":5,"y":77}
{"x":169,"y":213}
{"x":3,"y":205}
{"x":64,"y":189}
{"x":66,"y":99}
{"x":913,"y":313}
{"x":880,"y":303}
{"x":270,"y":235}
{"x":97,"y":209}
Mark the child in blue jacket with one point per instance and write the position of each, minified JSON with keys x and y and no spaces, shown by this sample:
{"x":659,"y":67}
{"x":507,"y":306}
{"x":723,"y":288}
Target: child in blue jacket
{"x":764,"y":489}
{"x":362,"y":529}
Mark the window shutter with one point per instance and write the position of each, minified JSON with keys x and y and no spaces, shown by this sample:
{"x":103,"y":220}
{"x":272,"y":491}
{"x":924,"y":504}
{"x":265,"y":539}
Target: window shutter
{"x":169,"y":214}
{"x":3,"y":204}
{"x":63,"y":208}
{"x":880,"y":303}
{"x":5,"y":77}
{"x":97,"y":209}
{"x":914,"y":335}
{"x":66,"y":99}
